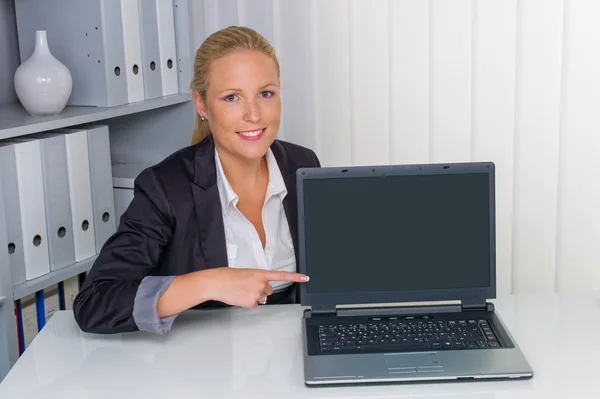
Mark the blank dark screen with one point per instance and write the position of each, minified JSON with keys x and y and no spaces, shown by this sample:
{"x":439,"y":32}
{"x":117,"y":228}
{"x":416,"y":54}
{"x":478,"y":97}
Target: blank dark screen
{"x":396,"y":233}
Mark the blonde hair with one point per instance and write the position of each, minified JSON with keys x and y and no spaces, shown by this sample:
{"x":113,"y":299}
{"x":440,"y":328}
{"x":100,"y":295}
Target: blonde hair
{"x":219,"y":44}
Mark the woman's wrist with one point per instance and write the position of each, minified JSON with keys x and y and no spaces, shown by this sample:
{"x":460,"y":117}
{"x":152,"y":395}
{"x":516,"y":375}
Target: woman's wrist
{"x":186,"y":291}
{"x":204,"y":283}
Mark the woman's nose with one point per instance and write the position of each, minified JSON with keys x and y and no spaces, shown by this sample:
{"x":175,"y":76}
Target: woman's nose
{"x":253,"y":113}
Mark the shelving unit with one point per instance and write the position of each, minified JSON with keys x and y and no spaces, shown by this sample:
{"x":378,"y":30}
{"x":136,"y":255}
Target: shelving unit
{"x":132,"y":127}
{"x":15,"y":121}
{"x":55,"y":277}
{"x":145,"y":131}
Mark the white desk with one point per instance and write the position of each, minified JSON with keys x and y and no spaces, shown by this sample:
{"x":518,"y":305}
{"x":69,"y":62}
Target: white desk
{"x":236,"y":353}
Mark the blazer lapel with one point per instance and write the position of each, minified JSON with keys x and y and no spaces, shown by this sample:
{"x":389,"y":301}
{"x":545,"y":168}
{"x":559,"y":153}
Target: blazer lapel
{"x":208,"y":206}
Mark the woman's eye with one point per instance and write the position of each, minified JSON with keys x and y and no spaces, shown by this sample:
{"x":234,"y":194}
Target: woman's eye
{"x":267,"y":94}
{"x":230,"y":98}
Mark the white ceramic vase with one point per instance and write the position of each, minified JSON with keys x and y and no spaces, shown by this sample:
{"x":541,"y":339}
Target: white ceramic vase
{"x":43,"y":83}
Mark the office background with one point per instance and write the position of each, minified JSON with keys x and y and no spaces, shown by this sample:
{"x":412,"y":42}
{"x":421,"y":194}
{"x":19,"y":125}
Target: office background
{"x":403,"y":81}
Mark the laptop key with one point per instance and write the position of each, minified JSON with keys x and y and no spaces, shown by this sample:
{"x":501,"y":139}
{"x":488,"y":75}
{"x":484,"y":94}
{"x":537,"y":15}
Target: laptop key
{"x":403,"y":347}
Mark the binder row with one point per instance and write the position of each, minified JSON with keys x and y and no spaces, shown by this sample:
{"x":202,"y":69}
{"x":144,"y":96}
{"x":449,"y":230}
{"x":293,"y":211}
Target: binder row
{"x":118,"y":51}
{"x":58,"y":199}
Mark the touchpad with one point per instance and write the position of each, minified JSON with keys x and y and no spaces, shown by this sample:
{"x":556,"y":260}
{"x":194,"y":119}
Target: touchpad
{"x":412,"y":360}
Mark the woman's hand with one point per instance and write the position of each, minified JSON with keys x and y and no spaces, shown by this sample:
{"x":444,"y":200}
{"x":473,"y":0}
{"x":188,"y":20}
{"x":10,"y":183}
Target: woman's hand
{"x":246,"y":287}
{"x":236,"y":287}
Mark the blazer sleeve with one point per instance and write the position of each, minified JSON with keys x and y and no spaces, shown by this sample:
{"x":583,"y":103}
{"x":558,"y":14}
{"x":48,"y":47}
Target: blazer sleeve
{"x":105,"y":303}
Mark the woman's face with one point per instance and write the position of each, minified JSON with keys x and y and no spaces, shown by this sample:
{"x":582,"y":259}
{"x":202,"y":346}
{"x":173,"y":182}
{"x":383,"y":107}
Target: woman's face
{"x":243,"y":104}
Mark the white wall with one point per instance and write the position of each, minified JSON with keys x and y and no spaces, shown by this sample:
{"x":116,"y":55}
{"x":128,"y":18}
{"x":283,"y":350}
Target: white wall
{"x":516,"y":82}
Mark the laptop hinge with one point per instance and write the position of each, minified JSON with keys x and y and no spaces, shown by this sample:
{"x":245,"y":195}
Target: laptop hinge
{"x":477,"y":306}
{"x":466,"y":306}
{"x":321,"y":312}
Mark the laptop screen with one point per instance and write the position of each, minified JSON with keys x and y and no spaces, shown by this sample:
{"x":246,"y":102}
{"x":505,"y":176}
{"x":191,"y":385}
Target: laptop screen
{"x":395,"y":233}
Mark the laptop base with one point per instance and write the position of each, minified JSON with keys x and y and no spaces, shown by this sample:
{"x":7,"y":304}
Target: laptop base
{"x":368,"y":365}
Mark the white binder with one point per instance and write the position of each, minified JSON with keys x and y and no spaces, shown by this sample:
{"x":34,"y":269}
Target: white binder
{"x":12,"y":217}
{"x":59,"y":222}
{"x":159,"y":50}
{"x":78,"y":166}
{"x":103,"y":202}
{"x":152,"y":67}
{"x":9,"y":351}
{"x":86,"y":36}
{"x":80,"y":191}
{"x":167,"y":46}
{"x":58,"y":202}
{"x":4,"y":285}
{"x":132,"y":42}
{"x":182,"y":13}
{"x":25,"y":213}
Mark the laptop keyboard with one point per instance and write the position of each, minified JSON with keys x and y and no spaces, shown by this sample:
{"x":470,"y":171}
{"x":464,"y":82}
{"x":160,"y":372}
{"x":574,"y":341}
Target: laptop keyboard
{"x":406,"y":336}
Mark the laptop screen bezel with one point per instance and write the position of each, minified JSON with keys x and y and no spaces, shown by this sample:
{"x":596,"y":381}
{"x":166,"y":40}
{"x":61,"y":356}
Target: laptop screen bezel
{"x":331,"y":300}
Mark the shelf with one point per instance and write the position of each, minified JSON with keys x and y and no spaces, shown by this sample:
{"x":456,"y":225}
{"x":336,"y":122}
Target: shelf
{"x":15,"y":121}
{"x":55,"y":277}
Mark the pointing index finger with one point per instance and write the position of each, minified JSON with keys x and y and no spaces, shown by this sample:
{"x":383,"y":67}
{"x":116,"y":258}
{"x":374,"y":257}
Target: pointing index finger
{"x":286,"y":276}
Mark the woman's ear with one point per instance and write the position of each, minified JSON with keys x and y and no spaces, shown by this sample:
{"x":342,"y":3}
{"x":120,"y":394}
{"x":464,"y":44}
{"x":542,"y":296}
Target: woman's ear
{"x":199,"y":103}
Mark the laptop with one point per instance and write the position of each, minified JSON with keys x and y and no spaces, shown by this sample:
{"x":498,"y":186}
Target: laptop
{"x":401,"y":262}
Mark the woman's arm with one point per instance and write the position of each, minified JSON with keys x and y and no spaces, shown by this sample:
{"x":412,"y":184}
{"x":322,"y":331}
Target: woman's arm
{"x":107,"y":298}
{"x":184,"y":292}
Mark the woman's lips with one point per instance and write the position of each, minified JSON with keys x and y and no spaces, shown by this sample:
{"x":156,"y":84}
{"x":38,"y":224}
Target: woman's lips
{"x":252,"y":135}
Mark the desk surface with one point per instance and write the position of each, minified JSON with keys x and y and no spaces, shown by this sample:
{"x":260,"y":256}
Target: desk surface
{"x":237,"y":353}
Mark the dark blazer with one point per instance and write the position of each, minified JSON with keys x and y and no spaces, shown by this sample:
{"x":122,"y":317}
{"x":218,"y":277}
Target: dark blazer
{"x":173,"y":226}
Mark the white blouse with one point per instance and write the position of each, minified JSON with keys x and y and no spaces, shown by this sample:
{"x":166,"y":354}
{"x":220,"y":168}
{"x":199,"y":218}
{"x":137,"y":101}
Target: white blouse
{"x":244,"y":248}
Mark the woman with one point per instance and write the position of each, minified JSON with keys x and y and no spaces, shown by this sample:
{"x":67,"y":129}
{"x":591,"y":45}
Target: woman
{"x":215,"y":223}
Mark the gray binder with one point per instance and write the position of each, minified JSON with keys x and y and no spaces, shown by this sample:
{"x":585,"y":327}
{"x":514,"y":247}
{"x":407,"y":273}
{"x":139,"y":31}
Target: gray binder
{"x":3,"y":242}
{"x":152,"y":68}
{"x":8,"y":333}
{"x":58,"y":202}
{"x":86,"y":36}
{"x":103,"y":203}
{"x":24,"y":196}
{"x":12,"y":214}
{"x":182,"y":13}
{"x":5,"y":287}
